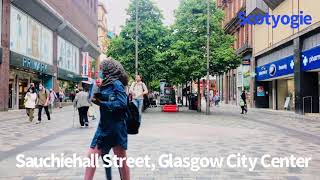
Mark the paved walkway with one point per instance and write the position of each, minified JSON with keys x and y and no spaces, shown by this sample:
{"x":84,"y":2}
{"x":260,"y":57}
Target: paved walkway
{"x":185,"y":134}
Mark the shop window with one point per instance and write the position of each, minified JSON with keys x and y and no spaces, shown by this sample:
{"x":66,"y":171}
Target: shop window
{"x":30,"y":38}
{"x":68,"y":56}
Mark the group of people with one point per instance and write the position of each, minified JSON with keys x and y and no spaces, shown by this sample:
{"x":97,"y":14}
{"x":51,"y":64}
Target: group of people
{"x":41,"y":99}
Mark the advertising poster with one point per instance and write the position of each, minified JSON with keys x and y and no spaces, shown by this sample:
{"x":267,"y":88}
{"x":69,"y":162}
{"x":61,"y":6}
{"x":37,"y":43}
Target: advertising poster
{"x":260,"y":91}
{"x":18,"y":31}
{"x":61,"y":52}
{"x":34,"y":38}
{"x":46,"y":45}
{"x":68,"y":56}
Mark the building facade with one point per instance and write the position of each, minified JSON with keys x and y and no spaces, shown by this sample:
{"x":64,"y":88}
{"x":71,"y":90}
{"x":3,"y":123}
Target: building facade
{"x":103,"y":39}
{"x":286,"y":59}
{"x":232,"y":83}
{"x":43,"y":42}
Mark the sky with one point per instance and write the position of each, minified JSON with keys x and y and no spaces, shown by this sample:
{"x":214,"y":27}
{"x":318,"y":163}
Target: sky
{"x":117,"y":12}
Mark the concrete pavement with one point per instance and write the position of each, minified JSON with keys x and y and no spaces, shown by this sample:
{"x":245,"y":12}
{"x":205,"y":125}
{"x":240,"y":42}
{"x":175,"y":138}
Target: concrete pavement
{"x":185,"y":134}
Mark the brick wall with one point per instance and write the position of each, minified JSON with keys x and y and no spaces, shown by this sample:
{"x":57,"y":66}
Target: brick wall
{"x":82,"y":14}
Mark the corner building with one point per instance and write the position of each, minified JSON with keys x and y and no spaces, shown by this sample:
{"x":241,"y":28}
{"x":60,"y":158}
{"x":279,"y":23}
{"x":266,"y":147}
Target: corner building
{"x":231,"y":83}
{"x":43,"y":42}
{"x":286,"y":60}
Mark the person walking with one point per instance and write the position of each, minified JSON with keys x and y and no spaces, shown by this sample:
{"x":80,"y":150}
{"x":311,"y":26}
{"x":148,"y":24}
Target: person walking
{"x":60,"y":96}
{"x":111,"y":131}
{"x":81,"y":102}
{"x":243,"y":102}
{"x":30,"y":102}
{"x":138,"y":89}
{"x":52,"y":98}
{"x":43,"y":102}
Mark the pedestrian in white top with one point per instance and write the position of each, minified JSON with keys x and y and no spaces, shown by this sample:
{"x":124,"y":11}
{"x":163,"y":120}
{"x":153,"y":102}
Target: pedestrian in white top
{"x":30,"y":102}
{"x":138,"y":89}
{"x":52,"y":98}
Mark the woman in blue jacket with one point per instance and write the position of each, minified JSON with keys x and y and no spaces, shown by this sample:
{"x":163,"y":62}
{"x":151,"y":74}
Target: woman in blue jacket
{"x":111,"y":131}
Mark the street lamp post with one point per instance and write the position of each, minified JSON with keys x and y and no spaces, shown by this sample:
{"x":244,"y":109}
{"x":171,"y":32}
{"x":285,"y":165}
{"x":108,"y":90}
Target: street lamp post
{"x":136,"y":43}
{"x":208,"y":57}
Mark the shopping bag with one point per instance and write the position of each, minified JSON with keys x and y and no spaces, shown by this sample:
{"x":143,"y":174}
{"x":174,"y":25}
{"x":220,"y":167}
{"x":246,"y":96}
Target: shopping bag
{"x":91,"y":112}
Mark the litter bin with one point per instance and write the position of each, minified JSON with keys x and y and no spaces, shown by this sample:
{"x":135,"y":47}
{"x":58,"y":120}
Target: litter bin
{"x":193,"y":102}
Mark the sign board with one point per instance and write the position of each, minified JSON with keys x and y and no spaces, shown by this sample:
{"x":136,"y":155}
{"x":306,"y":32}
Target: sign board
{"x":275,"y":69}
{"x":286,"y":103}
{"x":28,"y":63}
{"x":310,"y":59}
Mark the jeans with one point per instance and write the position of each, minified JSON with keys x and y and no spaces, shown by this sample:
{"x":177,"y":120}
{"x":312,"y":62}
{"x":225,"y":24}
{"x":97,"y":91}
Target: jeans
{"x":138,"y":103}
{"x":40,"y":111}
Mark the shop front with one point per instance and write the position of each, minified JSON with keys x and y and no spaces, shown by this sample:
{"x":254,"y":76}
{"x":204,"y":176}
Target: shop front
{"x":311,"y":67}
{"x":23,"y":71}
{"x":275,"y":85}
{"x":68,"y":82}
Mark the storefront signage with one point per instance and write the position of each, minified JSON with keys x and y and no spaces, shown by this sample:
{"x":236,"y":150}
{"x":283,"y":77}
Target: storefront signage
{"x":21,"y":61}
{"x":275,"y":69}
{"x":311,"y":59}
{"x":69,"y":76}
{"x":35,"y":65}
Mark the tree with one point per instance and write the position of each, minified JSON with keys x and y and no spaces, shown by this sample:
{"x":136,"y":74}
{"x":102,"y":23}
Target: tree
{"x":189,"y":41}
{"x":152,"y":41}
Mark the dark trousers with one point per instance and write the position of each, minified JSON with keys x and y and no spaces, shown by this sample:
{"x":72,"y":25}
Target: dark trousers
{"x":83,"y":115}
{"x":244,"y":109}
{"x":40,"y":111}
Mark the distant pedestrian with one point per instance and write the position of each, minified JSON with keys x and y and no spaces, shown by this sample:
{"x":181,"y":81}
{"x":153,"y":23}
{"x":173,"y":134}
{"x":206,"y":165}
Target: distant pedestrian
{"x":52,"y":99}
{"x":81,"y":102}
{"x":30,"y":102}
{"x":111,"y":131}
{"x":60,"y":95}
{"x":243,"y":102}
{"x":138,"y":90}
{"x":72,"y":96}
{"x":216,"y":99}
{"x":43,"y":102}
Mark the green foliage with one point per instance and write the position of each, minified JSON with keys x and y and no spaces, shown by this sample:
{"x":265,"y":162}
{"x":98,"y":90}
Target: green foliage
{"x":178,"y":53}
{"x":188,"y":50}
{"x":151,"y":38}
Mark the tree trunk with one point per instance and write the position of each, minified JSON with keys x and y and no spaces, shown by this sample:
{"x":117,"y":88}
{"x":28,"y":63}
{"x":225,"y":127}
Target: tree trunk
{"x":199,"y":97}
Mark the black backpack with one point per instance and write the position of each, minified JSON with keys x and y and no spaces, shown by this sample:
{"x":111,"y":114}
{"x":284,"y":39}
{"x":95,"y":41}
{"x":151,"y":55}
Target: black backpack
{"x":133,"y":123}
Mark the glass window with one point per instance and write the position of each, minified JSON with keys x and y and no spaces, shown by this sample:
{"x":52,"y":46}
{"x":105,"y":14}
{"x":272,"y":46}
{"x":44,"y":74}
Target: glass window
{"x":46,"y":45}
{"x":61,"y":52}
{"x":68,"y":56}
{"x":34,"y":38}
{"x":18,"y":31}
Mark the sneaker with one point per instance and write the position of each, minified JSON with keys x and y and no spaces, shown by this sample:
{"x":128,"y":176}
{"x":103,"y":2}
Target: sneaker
{"x":38,"y":122}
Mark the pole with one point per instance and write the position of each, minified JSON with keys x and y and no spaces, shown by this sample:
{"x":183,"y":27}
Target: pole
{"x":136,"y":43}
{"x":208,"y":57}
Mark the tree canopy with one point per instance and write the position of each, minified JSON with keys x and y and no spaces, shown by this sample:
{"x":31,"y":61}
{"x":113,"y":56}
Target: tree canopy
{"x":176,"y":53}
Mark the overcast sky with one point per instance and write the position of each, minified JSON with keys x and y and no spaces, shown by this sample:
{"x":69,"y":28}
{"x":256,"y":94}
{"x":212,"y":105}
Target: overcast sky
{"x":117,"y":11}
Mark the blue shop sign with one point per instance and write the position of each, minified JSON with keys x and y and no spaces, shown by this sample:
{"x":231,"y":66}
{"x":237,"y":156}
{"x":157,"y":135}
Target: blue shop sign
{"x":275,"y":69}
{"x":310,"y":59}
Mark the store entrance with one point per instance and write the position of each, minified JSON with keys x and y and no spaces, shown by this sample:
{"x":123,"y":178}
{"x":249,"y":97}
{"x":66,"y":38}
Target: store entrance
{"x":23,"y":87}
